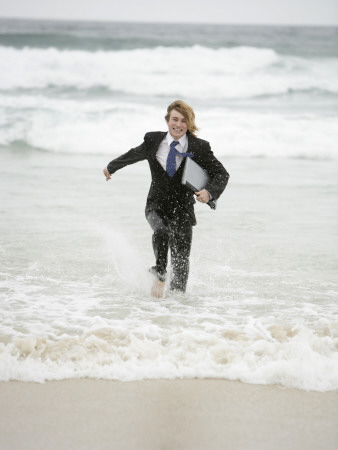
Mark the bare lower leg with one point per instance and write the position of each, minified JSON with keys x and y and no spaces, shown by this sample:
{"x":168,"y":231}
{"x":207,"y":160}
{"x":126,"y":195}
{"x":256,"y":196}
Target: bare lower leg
{"x":157,"y":288}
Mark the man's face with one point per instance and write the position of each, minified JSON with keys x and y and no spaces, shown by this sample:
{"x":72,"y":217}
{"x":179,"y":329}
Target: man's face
{"x":177,"y":124}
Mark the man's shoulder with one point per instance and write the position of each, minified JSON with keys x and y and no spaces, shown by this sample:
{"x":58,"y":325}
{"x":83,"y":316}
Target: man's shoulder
{"x":153,"y":136}
{"x":198,"y":142}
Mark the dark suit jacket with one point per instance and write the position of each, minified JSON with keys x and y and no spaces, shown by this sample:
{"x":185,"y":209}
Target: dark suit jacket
{"x":168,"y":195}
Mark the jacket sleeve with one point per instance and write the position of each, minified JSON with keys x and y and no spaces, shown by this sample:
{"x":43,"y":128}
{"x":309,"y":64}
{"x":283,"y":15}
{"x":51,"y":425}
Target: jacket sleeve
{"x":133,"y":156}
{"x":218,"y":175}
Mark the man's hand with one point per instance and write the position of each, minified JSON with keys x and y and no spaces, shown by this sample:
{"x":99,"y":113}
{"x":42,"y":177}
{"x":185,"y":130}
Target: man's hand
{"x":203,"y":196}
{"x":106,"y":174}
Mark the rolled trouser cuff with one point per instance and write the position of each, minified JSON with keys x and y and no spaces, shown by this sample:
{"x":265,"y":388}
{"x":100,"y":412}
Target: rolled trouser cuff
{"x":158,"y":273}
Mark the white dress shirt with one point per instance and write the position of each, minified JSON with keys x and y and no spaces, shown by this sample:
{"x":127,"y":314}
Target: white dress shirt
{"x":163,"y":150}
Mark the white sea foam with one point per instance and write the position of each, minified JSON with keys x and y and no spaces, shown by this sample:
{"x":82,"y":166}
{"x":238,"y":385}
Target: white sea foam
{"x":274,"y":354}
{"x":199,"y":72}
{"x":108,"y":327}
{"x":65,"y":316}
{"x":98,"y":126}
{"x":89,"y":123}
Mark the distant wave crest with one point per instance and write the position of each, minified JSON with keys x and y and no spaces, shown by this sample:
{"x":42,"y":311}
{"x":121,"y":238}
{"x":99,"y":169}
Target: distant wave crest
{"x":197,"y":72}
{"x":75,"y":101}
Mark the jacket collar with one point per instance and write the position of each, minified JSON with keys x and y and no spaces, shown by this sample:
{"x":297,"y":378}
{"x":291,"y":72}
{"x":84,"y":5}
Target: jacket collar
{"x":192,"y":142}
{"x":159,"y":138}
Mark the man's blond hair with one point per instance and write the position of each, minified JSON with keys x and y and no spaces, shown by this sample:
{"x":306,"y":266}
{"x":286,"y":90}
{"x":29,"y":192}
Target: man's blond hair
{"x":186,"y":111}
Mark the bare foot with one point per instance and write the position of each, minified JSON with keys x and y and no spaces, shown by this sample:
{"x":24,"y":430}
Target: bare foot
{"x":157,"y":288}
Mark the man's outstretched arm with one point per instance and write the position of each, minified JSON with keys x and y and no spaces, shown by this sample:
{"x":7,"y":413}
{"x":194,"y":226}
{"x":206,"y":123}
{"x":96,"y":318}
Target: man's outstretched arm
{"x":131,"y":157}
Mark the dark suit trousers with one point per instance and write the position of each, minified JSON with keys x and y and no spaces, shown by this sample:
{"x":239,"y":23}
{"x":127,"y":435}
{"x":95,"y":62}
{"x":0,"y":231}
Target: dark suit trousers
{"x":174,"y":233}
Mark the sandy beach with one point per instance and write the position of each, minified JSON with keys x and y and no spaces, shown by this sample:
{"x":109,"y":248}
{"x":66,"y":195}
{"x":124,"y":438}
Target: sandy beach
{"x":166,"y":415}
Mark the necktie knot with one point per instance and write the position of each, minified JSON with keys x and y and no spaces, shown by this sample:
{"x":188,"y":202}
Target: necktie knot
{"x":171,"y":160}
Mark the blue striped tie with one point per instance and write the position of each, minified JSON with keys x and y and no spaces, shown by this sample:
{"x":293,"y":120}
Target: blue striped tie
{"x":171,"y":160}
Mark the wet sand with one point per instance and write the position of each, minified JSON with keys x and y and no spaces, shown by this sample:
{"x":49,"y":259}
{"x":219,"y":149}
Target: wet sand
{"x":165,"y":415}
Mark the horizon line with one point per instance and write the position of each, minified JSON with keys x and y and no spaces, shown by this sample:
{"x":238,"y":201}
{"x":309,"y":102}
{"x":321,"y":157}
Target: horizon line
{"x":131,"y":21}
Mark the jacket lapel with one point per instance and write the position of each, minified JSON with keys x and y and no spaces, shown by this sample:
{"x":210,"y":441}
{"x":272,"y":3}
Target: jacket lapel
{"x":157,"y":142}
{"x":192,"y":144}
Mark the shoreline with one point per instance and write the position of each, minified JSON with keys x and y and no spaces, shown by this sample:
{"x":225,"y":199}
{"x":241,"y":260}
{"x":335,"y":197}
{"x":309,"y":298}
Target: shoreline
{"x":180,"y":414}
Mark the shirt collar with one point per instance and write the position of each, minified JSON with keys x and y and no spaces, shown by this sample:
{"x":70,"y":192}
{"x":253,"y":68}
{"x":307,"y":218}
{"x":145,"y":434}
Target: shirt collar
{"x":182,"y":140}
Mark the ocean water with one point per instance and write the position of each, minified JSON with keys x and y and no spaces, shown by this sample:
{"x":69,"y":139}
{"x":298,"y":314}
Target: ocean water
{"x":261,"y":303}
